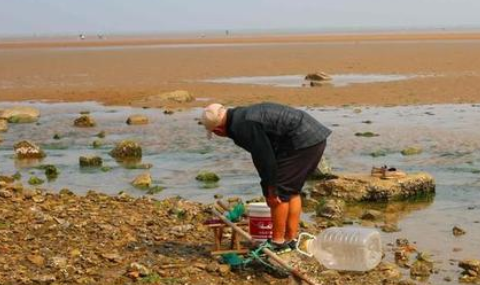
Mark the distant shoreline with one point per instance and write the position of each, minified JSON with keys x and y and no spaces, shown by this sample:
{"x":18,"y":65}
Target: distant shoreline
{"x":129,"y":71}
{"x":141,"y":40}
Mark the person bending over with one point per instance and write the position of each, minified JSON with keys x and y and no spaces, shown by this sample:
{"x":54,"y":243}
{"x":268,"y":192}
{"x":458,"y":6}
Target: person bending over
{"x":286,"y":145}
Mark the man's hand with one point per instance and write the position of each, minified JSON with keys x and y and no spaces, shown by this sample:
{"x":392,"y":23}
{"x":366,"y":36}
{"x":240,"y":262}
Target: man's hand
{"x":272,"y":198}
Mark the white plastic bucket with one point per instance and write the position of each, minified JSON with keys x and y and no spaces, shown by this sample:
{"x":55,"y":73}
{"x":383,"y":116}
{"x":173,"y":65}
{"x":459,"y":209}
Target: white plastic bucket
{"x":259,"y":221}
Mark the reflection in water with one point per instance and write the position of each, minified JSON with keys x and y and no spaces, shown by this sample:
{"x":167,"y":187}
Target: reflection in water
{"x":177,"y":148}
{"x":27,"y":163}
{"x":338,"y":80}
{"x":392,"y":212}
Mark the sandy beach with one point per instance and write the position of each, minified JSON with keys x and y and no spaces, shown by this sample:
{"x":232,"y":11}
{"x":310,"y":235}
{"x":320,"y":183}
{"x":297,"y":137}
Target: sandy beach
{"x":122,"y":71}
{"x":92,"y":225}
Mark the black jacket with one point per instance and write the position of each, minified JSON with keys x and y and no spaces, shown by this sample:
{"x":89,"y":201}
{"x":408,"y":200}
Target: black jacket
{"x":267,"y":130}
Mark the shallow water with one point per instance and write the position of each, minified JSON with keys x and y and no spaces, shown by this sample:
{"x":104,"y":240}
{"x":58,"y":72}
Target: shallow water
{"x":338,"y":80}
{"x":177,"y":147}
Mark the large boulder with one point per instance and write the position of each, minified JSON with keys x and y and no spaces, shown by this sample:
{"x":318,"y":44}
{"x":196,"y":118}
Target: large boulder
{"x":179,"y":96}
{"x":84,"y":121}
{"x":3,"y":125}
{"x":21,"y":114}
{"x":127,"y":150}
{"x":368,"y":188}
{"x":137,"y":120}
{"x":28,"y":150}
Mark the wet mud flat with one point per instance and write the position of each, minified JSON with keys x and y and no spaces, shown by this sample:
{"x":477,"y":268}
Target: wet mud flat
{"x":177,"y":148}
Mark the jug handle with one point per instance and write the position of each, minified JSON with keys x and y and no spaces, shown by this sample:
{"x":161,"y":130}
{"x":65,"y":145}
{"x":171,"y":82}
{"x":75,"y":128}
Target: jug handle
{"x":309,"y":236}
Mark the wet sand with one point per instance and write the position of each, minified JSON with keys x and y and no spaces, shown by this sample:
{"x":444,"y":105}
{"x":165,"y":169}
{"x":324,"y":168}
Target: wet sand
{"x":122,"y":71}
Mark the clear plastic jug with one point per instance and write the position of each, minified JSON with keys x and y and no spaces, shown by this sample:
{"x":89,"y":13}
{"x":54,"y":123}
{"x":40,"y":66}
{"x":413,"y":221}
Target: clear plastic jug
{"x":345,"y":248}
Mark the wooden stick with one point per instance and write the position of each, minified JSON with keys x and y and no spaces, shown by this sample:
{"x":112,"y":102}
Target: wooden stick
{"x":267,"y":251}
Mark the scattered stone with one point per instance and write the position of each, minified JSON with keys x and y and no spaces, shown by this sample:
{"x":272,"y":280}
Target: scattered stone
{"x":112,"y":257}
{"x":168,"y":111}
{"x":34,"y":180}
{"x":85,"y":121}
{"x":5,"y":193}
{"x":17,"y":176}
{"x":422,"y":267}
{"x":51,"y":171}
{"x":371,"y":215}
{"x":137,"y":120}
{"x":28,"y":150}
{"x":7,"y":179}
{"x":378,"y":153}
{"x":458,"y":231}
{"x":389,"y":270}
{"x":97,"y":143}
{"x":90,"y":161}
{"x":207,"y":176}
{"x":411,"y":150}
{"x":218,"y":196}
{"x":38,"y":260}
{"x":20,"y":114}
{"x":44,"y":279}
{"x":318,"y":76}
{"x":143,"y":180}
{"x":472,"y":265}
{"x":223,"y":269}
{"x":59,"y":262}
{"x":3,"y":125}
{"x":138,"y":268}
{"x":331,"y":208}
{"x":402,"y":242}
{"x":390,"y":228}
{"x":182,"y":228}
{"x":126,"y":149}
{"x":65,"y":192}
{"x":179,"y":96}
{"x":366,"y":134}
{"x":471,"y":271}
{"x":101,"y":134}
{"x":212,"y":267}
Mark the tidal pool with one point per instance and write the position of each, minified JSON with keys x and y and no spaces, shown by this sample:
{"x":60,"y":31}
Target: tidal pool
{"x":338,"y":80}
{"x":178,"y":149}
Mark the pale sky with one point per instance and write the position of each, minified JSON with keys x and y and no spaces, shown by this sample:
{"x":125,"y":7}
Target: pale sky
{"x":27,"y":17}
